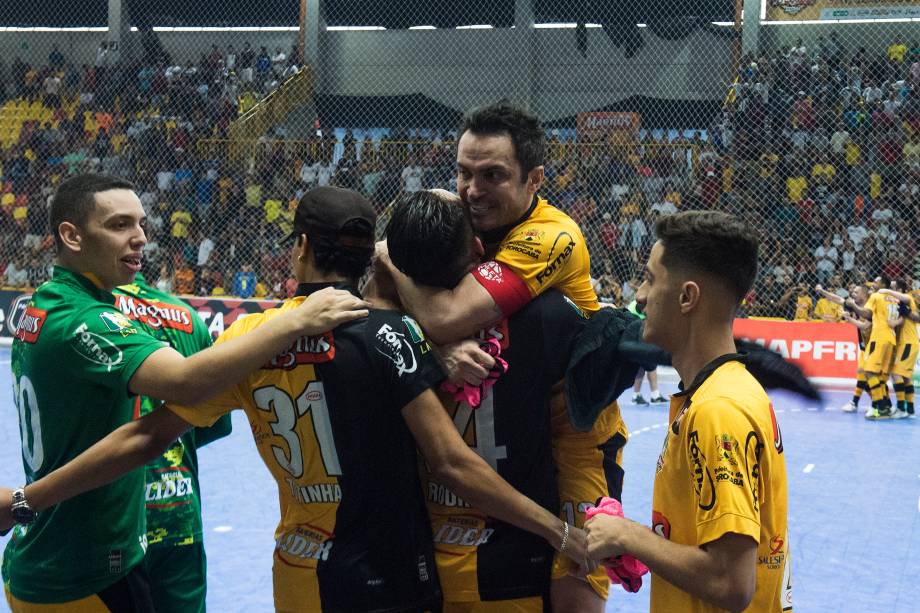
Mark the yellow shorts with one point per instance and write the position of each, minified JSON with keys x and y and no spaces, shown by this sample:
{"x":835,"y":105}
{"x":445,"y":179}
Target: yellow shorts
{"x":589,"y":467}
{"x":878,"y":357}
{"x":90,"y":604}
{"x":295,"y":587}
{"x":904,"y":360}
{"x":519,"y":605}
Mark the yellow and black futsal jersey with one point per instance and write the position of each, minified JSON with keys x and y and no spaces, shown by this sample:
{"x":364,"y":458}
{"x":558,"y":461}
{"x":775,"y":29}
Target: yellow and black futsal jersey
{"x":722,"y":470}
{"x":326,"y":418}
{"x":905,"y":354}
{"x":882,"y":342}
{"x":480,"y":558}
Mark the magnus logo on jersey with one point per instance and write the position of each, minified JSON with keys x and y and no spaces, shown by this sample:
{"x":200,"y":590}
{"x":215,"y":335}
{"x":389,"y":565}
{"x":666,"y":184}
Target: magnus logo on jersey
{"x":305,"y":350}
{"x":397,"y":349}
{"x":16,"y":311}
{"x":155,"y":314}
{"x":660,"y":525}
{"x":30,"y":325}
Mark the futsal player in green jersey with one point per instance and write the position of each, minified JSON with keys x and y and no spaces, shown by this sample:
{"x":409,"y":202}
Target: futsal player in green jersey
{"x":175,"y":562}
{"x":77,"y":364}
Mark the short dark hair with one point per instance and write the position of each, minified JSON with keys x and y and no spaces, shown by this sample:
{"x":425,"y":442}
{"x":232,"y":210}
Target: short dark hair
{"x":76,"y":198}
{"x":521,"y":125}
{"x":331,"y":254}
{"x":715,"y":243}
{"x":427,"y":238}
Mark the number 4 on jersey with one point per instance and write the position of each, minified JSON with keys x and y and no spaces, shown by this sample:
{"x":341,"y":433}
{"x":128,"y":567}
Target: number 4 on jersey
{"x":484,"y":432}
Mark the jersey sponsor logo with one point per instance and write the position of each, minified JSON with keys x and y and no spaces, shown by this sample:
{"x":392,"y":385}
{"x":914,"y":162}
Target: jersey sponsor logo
{"x":752,"y":450}
{"x":17,"y":309}
{"x":660,"y":525}
{"x":566,"y":244}
{"x":115,"y":321}
{"x":304,"y":543}
{"x":96,"y":348}
{"x":415,"y":330}
{"x":525,"y":247}
{"x":776,"y":558}
{"x":394,"y":346}
{"x":156,"y":314}
{"x":305,"y":350}
{"x":702,"y":478}
{"x":30,"y":325}
{"x":451,"y":534}
{"x":728,"y":448}
{"x":172,"y":485}
{"x":777,"y":433}
{"x":491,"y":271}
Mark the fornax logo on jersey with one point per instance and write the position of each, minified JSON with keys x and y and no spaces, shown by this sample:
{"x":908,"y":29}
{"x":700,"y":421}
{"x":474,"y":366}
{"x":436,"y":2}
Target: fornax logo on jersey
{"x":30,"y":324}
{"x":305,"y":350}
{"x":156,"y":314}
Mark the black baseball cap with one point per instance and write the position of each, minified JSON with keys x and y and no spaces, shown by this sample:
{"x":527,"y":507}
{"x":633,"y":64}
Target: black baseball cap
{"x":336,"y":212}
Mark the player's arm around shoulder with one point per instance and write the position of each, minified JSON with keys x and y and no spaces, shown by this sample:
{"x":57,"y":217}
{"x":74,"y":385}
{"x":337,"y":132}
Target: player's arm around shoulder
{"x":169,"y":376}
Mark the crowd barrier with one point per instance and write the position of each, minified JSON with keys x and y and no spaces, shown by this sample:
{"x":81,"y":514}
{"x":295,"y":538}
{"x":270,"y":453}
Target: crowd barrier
{"x":827,"y":352}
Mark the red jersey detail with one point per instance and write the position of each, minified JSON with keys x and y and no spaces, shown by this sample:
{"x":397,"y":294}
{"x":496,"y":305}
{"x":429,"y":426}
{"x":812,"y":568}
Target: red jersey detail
{"x":507,"y":289}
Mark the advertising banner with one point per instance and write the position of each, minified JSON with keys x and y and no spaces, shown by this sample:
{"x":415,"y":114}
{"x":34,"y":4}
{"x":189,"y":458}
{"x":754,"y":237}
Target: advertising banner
{"x":811,"y":10}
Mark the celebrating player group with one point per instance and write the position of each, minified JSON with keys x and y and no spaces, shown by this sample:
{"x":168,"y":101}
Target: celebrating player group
{"x":422,"y":429}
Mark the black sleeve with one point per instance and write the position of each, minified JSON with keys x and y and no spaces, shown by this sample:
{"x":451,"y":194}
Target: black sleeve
{"x":561,"y":321}
{"x":402,"y":355}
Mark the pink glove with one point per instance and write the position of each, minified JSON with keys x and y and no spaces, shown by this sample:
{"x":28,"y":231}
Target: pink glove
{"x":472,"y":394}
{"x":624,"y":570}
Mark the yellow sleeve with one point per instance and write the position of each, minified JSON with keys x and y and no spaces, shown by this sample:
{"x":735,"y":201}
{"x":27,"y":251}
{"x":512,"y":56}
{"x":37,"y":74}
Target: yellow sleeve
{"x":550,"y":255}
{"x":723,"y":449}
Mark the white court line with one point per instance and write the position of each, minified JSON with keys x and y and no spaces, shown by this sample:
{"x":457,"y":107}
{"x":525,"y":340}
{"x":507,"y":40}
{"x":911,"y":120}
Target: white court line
{"x":796,"y":410}
{"x":657,"y":426}
{"x":812,"y":408}
{"x":808,"y":468}
{"x":4,"y":361}
{"x":918,"y":504}
{"x":223,"y":529}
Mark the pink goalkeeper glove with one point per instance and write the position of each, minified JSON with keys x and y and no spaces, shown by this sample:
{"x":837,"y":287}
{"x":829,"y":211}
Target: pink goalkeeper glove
{"x":624,"y":570}
{"x":473,"y":394}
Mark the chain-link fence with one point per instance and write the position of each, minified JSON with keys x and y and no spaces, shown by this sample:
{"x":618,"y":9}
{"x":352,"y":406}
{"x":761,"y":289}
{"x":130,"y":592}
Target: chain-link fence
{"x":223,"y":114}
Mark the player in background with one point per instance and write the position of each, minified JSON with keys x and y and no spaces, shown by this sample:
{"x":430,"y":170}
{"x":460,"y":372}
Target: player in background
{"x":652,"y":375}
{"x":77,"y":362}
{"x":529,"y":247}
{"x":859,"y":293}
{"x":719,"y":522}
{"x":353,"y":534}
{"x":175,"y":561}
{"x":883,"y":311}
{"x":905,"y":355}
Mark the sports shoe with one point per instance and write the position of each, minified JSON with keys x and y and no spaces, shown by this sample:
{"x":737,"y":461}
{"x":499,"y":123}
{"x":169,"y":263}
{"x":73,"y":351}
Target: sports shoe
{"x":849,"y":407}
{"x":659,"y":399}
{"x":899,"y":414}
{"x":639,"y":400}
{"x":884,"y":412}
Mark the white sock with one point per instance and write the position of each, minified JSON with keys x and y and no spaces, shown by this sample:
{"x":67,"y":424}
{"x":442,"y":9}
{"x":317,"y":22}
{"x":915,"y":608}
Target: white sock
{"x":655,"y":393}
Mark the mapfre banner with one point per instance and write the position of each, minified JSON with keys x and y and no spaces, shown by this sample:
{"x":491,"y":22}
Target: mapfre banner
{"x":217,"y":313}
{"x":802,"y":10}
{"x":822,"y":350}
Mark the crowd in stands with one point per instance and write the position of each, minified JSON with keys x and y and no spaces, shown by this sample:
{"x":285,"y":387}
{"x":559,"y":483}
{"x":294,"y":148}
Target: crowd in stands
{"x":818,"y":146}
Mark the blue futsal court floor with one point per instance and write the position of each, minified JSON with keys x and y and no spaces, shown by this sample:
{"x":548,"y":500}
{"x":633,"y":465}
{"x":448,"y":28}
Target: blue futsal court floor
{"x":854,"y":505}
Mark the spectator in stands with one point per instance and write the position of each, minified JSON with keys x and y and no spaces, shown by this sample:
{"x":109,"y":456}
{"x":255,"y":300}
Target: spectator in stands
{"x":16,"y":274}
{"x":826,"y":257}
{"x":184,"y":279}
{"x":412,"y":176}
{"x":897,"y":51}
{"x":244,"y":282}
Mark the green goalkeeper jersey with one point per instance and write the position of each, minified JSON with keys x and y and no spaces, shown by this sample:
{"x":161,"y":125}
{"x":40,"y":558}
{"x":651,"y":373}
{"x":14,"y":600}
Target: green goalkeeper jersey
{"x":73,"y":356}
{"x":171,"y":489}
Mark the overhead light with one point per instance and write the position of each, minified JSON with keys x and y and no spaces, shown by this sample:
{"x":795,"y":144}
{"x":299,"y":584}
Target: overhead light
{"x":355,"y":28}
{"x":53,"y":29}
{"x":422,"y":28}
{"x":555,"y":26}
{"x":484,"y":26}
